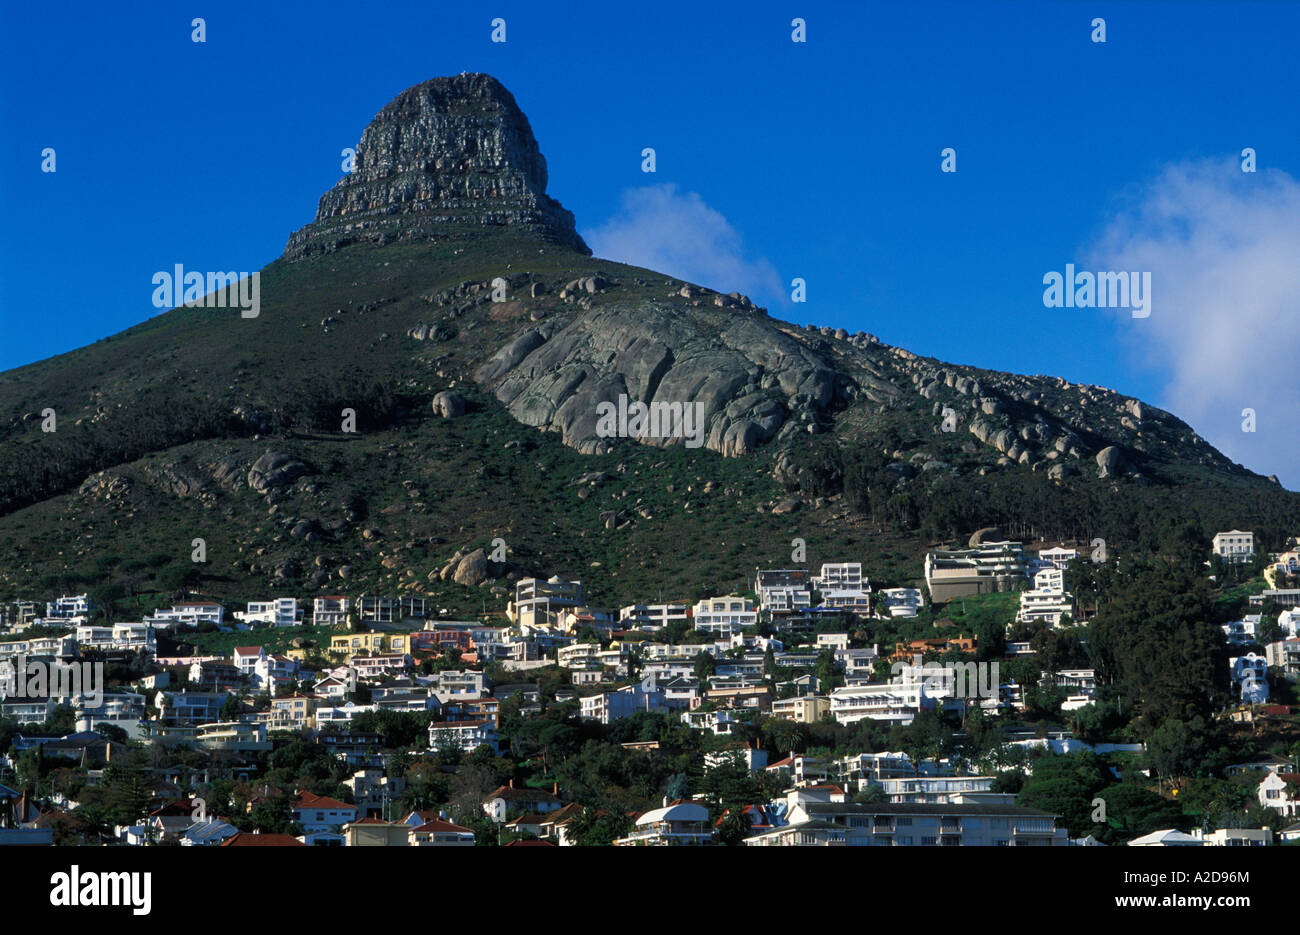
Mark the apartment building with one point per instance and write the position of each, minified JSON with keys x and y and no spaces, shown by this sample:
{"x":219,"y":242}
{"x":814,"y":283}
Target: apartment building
{"x":652,"y":616}
{"x":331,"y":610}
{"x":841,"y":576}
{"x":902,"y":602}
{"x":725,"y":615}
{"x":279,"y":612}
{"x":914,"y":825}
{"x":544,"y":602}
{"x":985,"y":569}
{"x":783,"y":590}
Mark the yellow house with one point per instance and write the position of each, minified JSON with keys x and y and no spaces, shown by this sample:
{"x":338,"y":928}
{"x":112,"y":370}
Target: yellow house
{"x":366,"y":644}
{"x":807,"y":709}
{"x":293,"y":712}
{"x":371,"y":832}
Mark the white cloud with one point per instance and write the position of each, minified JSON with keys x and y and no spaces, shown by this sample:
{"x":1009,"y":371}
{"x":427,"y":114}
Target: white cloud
{"x":678,"y":234}
{"x":1223,"y":248}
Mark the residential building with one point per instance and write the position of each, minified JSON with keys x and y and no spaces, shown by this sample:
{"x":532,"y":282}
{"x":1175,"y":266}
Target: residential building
{"x":1250,"y":677}
{"x":467,"y":736}
{"x":841,"y":576}
{"x":1242,"y":632}
{"x":808,"y":709}
{"x":507,"y":801}
{"x":292,"y":712}
{"x":279,"y":612}
{"x":1285,"y":654}
{"x":934,"y":789}
{"x":902,"y":602}
{"x":1284,"y":597}
{"x":232,"y":736}
{"x":375,"y":832}
{"x":652,"y":616}
{"x":1273,"y":793}
{"x":1058,"y":557}
{"x":781,"y":591}
{"x":186,"y":707}
{"x":914,"y":825}
{"x":331,"y":610}
{"x":725,"y":615}
{"x":537,"y":601}
{"x":679,"y":823}
{"x":322,"y":813}
{"x":985,"y":569}
{"x":608,"y":707}
{"x":1234,"y":545}
{"x":438,"y":832}
{"x":68,"y":609}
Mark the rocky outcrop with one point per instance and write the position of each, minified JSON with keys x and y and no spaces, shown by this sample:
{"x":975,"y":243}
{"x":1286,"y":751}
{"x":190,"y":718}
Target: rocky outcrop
{"x":470,"y":567}
{"x":1109,"y":460}
{"x":746,"y":378}
{"x":449,"y":404}
{"x":450,"y":151}
{"x":275,"y":469}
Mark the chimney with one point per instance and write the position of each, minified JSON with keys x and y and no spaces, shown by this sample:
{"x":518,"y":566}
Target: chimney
{"x":512,"y":783}
{"x":555,"y":788}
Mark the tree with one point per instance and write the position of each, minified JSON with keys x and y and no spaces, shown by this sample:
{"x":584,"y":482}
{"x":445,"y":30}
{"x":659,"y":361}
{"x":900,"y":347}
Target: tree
{"x":1176,"y":748}
{"x":705,"y":666}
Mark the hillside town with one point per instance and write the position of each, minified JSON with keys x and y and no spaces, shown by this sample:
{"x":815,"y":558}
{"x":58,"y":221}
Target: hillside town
{"x":773,"y":717}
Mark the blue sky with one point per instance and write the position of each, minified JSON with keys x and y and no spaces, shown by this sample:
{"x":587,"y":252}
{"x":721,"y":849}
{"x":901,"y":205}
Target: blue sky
{"x":817,"y":160}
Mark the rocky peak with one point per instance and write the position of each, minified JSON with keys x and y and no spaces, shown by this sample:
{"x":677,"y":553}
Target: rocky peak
{"x":452,"y":150}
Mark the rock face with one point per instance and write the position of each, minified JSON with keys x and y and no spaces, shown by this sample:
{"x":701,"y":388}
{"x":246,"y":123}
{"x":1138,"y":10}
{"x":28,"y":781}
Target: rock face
{"x":449,"y":404}
{"x":1108,"y":461}
{"x":470,"y":568}
{"x":275,"y":469}
{"x":748,"y":377}
{"x":452,"y":150}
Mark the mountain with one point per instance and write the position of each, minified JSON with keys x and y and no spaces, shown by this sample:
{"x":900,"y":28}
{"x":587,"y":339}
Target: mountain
{"x":446,"y":300}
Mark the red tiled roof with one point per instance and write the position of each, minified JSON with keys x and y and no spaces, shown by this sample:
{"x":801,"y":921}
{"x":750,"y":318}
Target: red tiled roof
{"x":531,"y":795}
{"x":310,"y":800}
{"x":564,"y":814}
{"x":247,"y":650}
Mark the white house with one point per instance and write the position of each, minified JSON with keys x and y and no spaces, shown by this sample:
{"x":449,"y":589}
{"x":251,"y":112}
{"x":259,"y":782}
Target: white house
{"x":1045,"y":605}
{"x":1250,"y":676}
{"x":537,"y":601}
{"x":321,"y":813}
{"x":676,"y":824}
{"x":1058,"y":557}
{"x":853,"y":600}
{"x":68,"y":608}
{"x":646,"y":695}
{"x":467,"y":736}
{"x":330,"y":610}
{"x":652,"y":616}
{"x":902,"y":602}
{"x":1234,"y":545}
{"x":1242,"y":632}
{"x":725,"y":615}
{"x":1273,"y":793}
{"x":280,"y":612}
